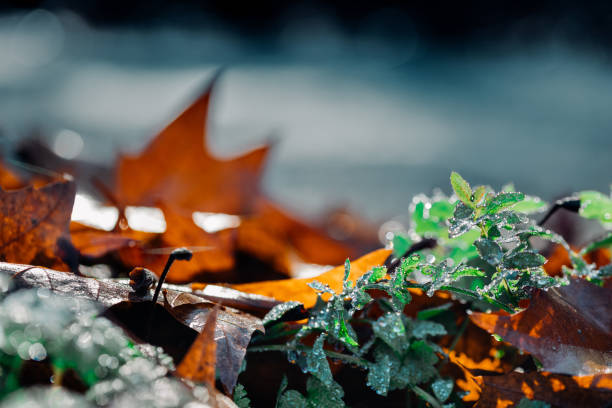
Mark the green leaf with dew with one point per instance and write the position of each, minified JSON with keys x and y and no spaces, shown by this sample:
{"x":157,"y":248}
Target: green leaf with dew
{"x":524,"y":260}
{"x":279,"y":311}
{"x":426,"y":328}
{"x":595,"y":205}
{"x":378,"y":272}
{"x":489,"y":250}
{"x":316,"y":362}
{"x":240,"y":397}
{"x":462,"y":189}
{"x":379,"y":375}
{"x":442,"y":389}
{"x":503,"y":200}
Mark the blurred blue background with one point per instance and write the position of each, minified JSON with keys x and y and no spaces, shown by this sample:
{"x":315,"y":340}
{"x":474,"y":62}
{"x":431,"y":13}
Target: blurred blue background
{"x":367,"y":108}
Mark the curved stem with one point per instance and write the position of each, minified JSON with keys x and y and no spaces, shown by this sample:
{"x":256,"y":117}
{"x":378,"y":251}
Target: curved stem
{"x":426,"y":396}
{"x":180,"y":254}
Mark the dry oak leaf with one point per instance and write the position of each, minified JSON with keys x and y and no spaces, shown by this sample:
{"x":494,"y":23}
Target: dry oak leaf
{"x":568,"y":329}
{"x":198,"y":365}
{"x":560,"y":391}
{"x":177,"y":168}
{"x":298,"y":290}
{"x":33,"y":220}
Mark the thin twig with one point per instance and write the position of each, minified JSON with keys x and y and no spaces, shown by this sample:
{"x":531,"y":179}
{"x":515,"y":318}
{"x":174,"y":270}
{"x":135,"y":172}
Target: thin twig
{"x":180,"y":254}
{"x":331,"y":354}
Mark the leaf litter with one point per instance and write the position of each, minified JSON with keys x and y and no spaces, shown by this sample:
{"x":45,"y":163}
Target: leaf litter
{"x":400,"y":328}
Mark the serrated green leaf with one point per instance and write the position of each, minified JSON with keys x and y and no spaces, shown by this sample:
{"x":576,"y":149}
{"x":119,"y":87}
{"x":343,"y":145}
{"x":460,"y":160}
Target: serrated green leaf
{"x":442,"y":389}
{"x":489,"y":250}
{"x":462,"y":212}
{"x":390,"y":329}
{"x":407,"y":266}
{"x":359,"y":299}
{"x":240,"y":397}
{"x":462,"y":221}
{"x":379,"y":375}
{"x":462,"y":271}
{"x":320,"y":287}
{"x":378,"y":272}
{"x":316,"y":362}
{"x":400,"y":298}
{"x":324,"y":396}
{"x":279,"y":311}
{"x":292,"y":399}
{"x":524,"y":260}
{"x":462,"y":189}
{"x":426,"y":328}
{"x":503,"y":200}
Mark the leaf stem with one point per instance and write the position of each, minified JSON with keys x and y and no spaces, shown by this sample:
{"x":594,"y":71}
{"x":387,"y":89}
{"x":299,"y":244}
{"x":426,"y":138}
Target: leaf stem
{"x":507,"y":287}
{"x":331,"y":354}
{"x":453,"y":344}
{"x":181,"y":254}
{"x":464,"y":326}
{"x":426,"y":396}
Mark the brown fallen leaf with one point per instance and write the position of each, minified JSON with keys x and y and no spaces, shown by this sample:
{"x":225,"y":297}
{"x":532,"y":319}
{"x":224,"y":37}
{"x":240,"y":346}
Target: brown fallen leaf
{"x":273,"y":234}
{"x":198,"y":365}
{"x":569,"y":329}
{"x":298,"y":289}
{"x":178,"y":165}
{"x":560,"y":391}
{"x":252,"y":303}
{"x":232,"y":333}
{"x":178,"y":171}
{"x":95,"y":243}
{"x":33,"y":221}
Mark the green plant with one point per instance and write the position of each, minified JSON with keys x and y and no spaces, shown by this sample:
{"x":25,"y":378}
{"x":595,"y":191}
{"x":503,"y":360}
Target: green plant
{"x":483,"y":240}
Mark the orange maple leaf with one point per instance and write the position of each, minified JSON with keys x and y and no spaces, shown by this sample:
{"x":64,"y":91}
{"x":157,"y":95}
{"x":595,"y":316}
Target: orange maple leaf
{"x":177,"y":168}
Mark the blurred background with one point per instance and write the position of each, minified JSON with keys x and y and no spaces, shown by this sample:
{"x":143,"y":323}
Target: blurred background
{"x":369,"y":102}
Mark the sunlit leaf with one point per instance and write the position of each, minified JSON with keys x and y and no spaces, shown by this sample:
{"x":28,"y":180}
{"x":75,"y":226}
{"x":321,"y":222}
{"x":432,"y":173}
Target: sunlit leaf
{"x":462,"y":189}
{"x":503,"y":200}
